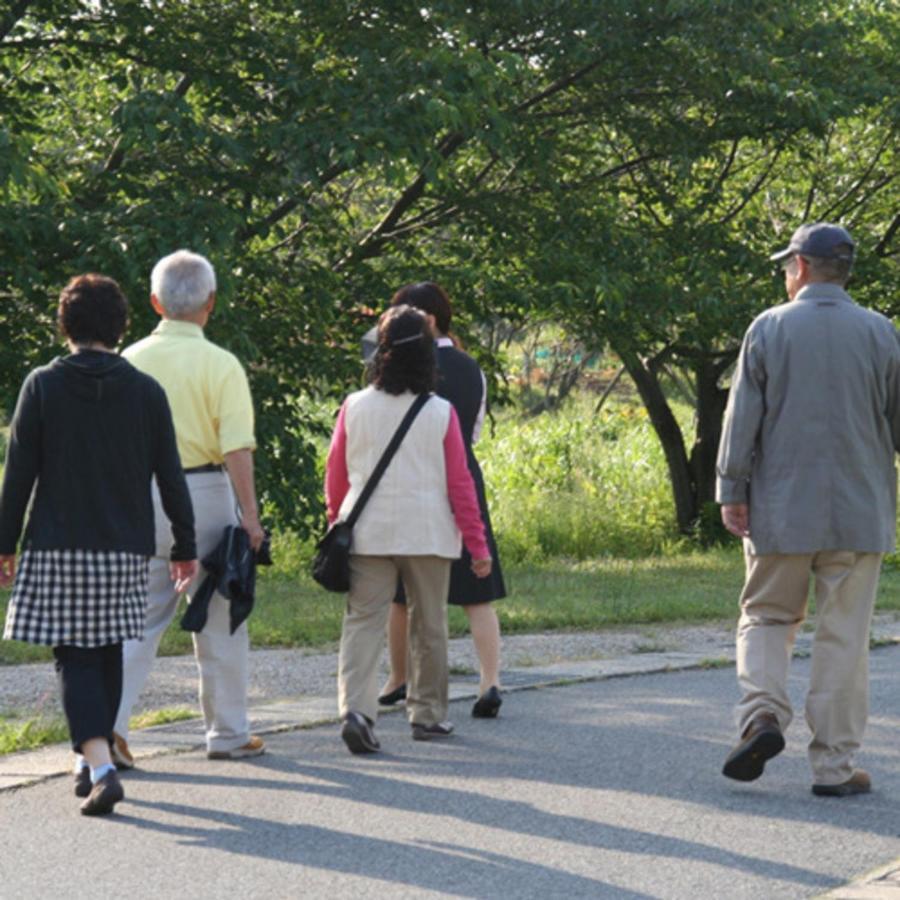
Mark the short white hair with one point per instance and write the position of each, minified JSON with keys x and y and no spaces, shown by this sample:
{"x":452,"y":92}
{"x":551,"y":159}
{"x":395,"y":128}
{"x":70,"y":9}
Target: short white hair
{"x":182,"y":282}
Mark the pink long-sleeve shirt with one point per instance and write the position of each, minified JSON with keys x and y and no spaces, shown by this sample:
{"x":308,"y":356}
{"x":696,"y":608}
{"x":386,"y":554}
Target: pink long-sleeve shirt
{"x":460,"y":486}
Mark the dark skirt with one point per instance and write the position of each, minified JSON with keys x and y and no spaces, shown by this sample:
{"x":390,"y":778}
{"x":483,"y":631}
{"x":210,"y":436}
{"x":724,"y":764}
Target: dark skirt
{"x":466,"y":589}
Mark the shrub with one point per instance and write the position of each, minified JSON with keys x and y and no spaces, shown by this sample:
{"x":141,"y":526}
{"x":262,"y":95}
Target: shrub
{"x":571,"y":484}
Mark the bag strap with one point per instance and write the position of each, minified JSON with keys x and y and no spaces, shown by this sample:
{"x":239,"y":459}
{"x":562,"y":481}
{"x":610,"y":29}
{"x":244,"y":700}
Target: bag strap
{"x":386,"y":457}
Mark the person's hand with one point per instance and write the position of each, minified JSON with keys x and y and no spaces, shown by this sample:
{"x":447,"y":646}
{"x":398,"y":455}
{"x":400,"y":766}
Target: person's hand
{"x":254,"y":530}
{"x":183,"y":572}
{"x":736,"y":518}
{"x":482,"y":567}
{"x":7,"y":569}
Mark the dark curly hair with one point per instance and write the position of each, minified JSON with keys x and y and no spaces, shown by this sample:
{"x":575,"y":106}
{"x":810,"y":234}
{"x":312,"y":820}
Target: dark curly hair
{"x":404,"y":359}
{"x":431,"y":298}
{"x":92,"y":309}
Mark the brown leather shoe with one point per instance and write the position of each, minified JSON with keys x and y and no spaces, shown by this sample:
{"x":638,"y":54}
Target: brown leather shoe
{"x":120,"y":753}
{"x":105,"y":794}
{"x":762,"y":739}
{"x":256,"y":746}
{"x":858,"y":783}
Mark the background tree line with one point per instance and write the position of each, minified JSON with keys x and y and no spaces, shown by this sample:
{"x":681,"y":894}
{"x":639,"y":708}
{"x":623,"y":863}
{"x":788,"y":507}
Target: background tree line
{"x":619,"y":168}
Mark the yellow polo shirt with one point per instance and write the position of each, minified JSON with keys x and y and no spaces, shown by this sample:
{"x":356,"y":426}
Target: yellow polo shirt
{"x":206,"y":387}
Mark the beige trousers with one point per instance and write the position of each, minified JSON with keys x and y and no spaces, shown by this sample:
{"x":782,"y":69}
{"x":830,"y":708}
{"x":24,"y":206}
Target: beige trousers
{"x":773,"y":605}
{"x":373,"y":583}
{"x":222,"y":657}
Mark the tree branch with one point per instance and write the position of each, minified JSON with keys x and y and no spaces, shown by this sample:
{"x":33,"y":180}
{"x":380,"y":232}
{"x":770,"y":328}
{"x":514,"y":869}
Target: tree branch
{"x":720,"y":180}
{"x":81,"y":44}
{"x":882,"y":245}
{"x":369,"y":245}
{"x":864,"y":198}
{"x":825,"y":216}
{"x":755,"y":187}
{"x":117,"y":156}
{"x":559,"y":85}
{"x":609,"y":389}
{"x":11,"y":19}
{"x":288,"y":206}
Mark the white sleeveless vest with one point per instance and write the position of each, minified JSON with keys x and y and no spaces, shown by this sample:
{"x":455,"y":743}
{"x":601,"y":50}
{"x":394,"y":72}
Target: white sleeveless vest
{"x":409,"y":513}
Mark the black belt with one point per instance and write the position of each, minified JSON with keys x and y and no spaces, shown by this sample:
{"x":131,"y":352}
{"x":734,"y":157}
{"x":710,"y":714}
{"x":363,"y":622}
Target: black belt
{"x":209,"y":467}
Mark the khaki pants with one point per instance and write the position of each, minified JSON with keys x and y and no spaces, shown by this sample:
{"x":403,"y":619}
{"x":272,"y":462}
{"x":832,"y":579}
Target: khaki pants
{"x":222,"y":657}
{"x":773,"y":605}
{"x":373,"y":583}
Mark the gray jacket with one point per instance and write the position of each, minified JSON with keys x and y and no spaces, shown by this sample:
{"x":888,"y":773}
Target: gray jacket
{"x":812,"y":425}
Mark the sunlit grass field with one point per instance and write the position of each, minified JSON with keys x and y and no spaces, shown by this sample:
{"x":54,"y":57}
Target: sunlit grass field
{"x":583,"y":513}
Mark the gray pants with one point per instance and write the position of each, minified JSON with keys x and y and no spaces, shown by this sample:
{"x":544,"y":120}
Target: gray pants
{"x":773,"y":605}
{"x":373,"y":583}
{"x":222,"y":658}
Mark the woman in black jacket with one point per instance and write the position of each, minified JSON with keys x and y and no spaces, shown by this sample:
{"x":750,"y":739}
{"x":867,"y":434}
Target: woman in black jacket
{"x":88,"y":435}
{"x":461,"y":381}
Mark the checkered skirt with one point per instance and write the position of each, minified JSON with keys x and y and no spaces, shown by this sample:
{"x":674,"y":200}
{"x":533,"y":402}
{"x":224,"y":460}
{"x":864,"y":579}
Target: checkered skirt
{"x":88,"y":598}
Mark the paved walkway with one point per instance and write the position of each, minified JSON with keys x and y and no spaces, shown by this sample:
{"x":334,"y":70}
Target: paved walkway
{"x":601,"y":778}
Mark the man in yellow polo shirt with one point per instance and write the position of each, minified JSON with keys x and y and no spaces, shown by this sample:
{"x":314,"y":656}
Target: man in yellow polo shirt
{"x":213,"y":413}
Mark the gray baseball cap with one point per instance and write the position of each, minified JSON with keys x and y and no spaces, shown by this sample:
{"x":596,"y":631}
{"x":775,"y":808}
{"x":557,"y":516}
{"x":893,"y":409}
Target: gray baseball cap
{"x":819,"y":239}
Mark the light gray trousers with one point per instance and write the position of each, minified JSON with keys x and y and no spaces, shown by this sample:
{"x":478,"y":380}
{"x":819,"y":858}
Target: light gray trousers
{"x":222,"y":658}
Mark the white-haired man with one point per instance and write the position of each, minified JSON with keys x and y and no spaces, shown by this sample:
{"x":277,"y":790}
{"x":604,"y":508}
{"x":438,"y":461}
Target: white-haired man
{"x":213,"y":413}
{"x":806,"y":477}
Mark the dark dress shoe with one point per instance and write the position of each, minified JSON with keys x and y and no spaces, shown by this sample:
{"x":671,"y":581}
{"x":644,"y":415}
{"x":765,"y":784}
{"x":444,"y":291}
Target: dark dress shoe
{"x":762,"y":739}
{"x":427,"y":732}
{"x":358,"y":734}
{"x":488,"y":704}
{"x":394,"y":696}
{"x":83,"y":781}
{"x":858,"y":783}
{"x":105,"y":794}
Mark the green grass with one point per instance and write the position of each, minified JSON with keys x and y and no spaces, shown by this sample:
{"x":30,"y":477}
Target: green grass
{"x":31,"y":733}
{"x":557,"y":594}
{"x":28,"y":733}
{"x":578,"y":486}
{"x":162,"y":717}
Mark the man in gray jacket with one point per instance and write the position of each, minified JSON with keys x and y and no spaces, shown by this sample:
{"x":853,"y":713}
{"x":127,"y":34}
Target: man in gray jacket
{"x":806,"y":477}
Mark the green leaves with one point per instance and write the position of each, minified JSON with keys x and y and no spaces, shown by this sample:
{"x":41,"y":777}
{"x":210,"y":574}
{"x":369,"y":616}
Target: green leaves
{"x":618,"y":167}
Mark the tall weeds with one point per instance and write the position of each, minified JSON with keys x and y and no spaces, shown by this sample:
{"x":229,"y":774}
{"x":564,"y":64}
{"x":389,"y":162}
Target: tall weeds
{"x":574,"y":485}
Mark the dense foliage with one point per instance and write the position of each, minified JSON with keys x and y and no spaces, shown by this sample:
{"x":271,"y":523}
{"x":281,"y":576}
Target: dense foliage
{"x":613,"y":165}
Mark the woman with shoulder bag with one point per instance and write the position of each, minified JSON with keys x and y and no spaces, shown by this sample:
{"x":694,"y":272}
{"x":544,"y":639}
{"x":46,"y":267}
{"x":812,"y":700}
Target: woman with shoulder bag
{"x":410,"y":528}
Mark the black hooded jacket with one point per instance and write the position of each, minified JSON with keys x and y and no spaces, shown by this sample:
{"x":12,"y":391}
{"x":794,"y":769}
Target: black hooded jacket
{"x":89,"y":433}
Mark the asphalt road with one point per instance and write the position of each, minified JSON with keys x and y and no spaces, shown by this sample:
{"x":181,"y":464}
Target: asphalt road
{"x":601,"y":789}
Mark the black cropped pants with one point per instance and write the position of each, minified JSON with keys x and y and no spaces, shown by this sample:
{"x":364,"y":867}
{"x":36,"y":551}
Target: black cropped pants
{"x":90,"y":679}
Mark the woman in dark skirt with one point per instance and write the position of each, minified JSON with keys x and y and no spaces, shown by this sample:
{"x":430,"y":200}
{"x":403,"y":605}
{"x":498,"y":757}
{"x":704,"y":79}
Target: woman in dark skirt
{"x":88,"y":435}
{"x":461,"y":381}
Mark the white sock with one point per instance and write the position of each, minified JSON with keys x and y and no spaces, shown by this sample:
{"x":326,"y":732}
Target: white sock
{"x":100,"y":771}
{"x":80,"y":763}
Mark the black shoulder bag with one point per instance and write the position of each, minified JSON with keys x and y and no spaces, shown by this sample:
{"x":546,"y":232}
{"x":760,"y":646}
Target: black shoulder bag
{"x":331,"y":564}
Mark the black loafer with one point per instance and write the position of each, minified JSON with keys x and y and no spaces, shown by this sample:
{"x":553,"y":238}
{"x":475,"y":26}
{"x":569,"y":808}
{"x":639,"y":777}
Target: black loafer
{"x":358,"y":734}
{"x":761,"y":740}
{"x":394,"y":696}
{"x":488,"y":704}
{"x":105,"y":794}
{"x":427,"y":732}
{"x":83,"y":782}
{"x":858,"y":783}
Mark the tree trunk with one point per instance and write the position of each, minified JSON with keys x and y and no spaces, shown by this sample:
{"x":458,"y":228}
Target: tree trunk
{"x":710,"y":408}
{"x":645,"y":378}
